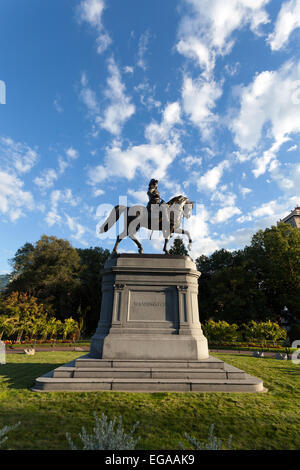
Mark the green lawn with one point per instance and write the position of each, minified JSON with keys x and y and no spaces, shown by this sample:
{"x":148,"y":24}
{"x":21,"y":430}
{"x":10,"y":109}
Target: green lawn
{"x":256,"y":421}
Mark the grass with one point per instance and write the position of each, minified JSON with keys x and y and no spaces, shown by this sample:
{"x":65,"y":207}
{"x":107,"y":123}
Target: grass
{"x":256,"y":421}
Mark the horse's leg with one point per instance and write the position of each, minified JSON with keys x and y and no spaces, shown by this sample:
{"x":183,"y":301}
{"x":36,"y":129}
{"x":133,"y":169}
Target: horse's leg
{"x":115,"y":248}
{"x":135,"y":240}
{"x":185,"y":232}
{"x":165,"y":249}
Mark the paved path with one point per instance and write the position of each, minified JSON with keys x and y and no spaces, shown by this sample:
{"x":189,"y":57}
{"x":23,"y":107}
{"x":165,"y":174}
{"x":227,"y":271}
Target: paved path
{"x":77,"y":349}
{"x":87,"y":348}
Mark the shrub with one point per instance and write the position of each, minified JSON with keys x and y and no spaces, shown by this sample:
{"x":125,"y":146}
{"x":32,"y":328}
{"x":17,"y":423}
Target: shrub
{"x":263,"y":331}
{"x":220,"y":331}
{"x":213,"y":443}
{"x":106,"y":436}
{"x":4,"y":431}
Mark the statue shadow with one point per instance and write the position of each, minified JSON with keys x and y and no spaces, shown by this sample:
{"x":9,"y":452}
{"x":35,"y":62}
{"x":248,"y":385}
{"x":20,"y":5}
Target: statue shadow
{"x":23,"y":376}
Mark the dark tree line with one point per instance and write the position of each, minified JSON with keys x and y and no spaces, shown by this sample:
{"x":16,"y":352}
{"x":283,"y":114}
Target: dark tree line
{"x":255,"y":283}
{"x":67,"y":278}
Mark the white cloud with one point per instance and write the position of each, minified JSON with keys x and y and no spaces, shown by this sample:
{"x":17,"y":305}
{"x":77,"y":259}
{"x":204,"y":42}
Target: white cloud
{"x":210,"y":180}
{"x":98,"y":192}
{"x":77,"y":229}
{"x":152,"y":158}
{"x":88,"y":96}
{"x":72,"y":153}
{"x":13,"y":200}
{"x":225,"y":214}
{"x":121,"y":108}
{"x":223,"y":198}
{"x":128,"y":69}
{"x":91,"y":11}
{"x":269,"y":213}
{"x":20,"y":155}
{"x":271,"y":99}
{"x":190,"y":161}
{"x":58,"y":197}
{"x":142,"y":49}
{"x":139,"y":196}
{"x":199,"y":99}
{"x":244,"y":191}
{"x":287,"y":177}
{"x":157,"y":133}
{"x":47,"y":179}
{"x":146,"y":94}
{"x":206,"y":30}
{"x":287,"y":21}
{"x":193,"y":48}
{"x":57,"y":105}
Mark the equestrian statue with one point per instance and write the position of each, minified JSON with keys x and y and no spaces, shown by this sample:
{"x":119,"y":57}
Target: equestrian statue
{"x":159,"y":215}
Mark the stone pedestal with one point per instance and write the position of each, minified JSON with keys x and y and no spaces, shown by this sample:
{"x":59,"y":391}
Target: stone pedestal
{"x":149,"y":310}
{"x":149,"y":337}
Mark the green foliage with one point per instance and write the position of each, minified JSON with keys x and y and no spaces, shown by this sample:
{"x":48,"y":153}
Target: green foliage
{"x":178,"y":248}
{"x":89,"y":298}
{"x":4,"y":431}
{"x":71,"y":329}
{"x":213,"y":442}
{"x":59,"y":275}
{"x":222,"y":332}
{"x":254,"y":283}
{"x":107,"y":435}
{"x":48,"y":270}
{"x":21,"y":314}
{"x":276,"y":252}
{"x":263,"y":331}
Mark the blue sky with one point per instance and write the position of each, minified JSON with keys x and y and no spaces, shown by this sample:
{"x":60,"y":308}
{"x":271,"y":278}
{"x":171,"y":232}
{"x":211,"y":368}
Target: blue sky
{"x":101,"y":96}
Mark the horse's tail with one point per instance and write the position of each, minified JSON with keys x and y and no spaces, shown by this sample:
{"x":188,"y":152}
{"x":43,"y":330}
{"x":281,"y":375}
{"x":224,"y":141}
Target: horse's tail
{"x":112,"y":218}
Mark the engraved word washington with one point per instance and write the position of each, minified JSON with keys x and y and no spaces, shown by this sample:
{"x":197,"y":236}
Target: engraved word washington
{"x":149,"y":304}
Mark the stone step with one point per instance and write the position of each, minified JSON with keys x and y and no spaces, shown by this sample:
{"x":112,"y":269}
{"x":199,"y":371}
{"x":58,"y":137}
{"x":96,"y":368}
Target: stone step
{"x":114,"y":372}
{"x":248,"y":384}
{"x":88,"y":362}
{"x":152,"y":373}
{"x":71,"y":377}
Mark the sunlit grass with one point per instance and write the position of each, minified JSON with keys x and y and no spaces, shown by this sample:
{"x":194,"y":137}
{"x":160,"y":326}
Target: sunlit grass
{"x":256,"y":421}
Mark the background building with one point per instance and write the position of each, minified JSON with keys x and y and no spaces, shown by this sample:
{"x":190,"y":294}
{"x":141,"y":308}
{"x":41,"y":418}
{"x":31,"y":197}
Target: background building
{"x":293,"y":218}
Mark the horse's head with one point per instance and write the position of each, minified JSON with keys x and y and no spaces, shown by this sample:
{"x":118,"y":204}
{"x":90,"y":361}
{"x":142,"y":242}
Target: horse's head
{"x":188,"y":208}
{"x":181,"y":205}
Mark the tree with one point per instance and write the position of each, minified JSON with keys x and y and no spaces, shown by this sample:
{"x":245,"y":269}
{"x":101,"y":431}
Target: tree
{"x":48,"y":270}
{"x":275,"y":255}
{"x":90,"y":294}
{"x":178,"y":248}
{"x":229,"y":290}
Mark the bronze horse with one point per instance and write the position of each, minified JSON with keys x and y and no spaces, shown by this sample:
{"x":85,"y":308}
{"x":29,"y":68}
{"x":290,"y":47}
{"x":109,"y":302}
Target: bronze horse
{"x":165,"y":217}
